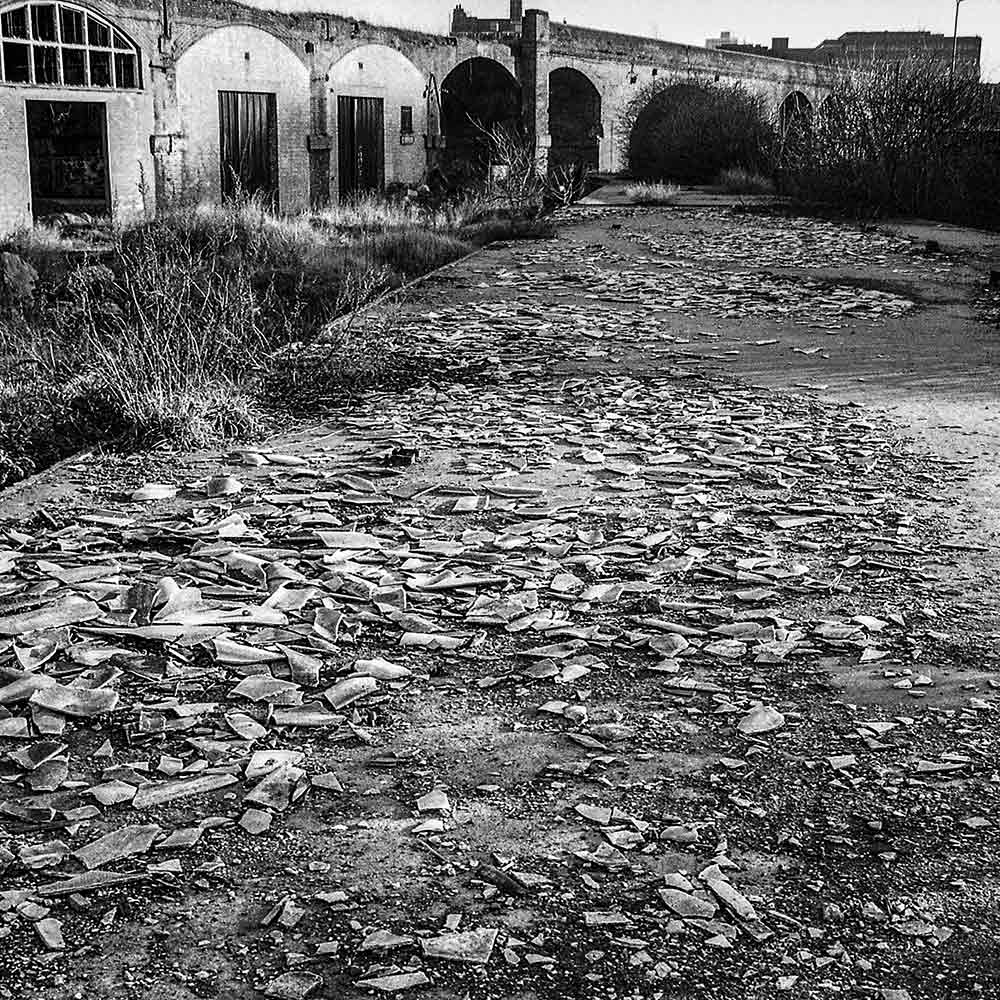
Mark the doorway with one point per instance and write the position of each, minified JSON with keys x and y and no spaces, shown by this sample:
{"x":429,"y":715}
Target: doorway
{"x":68,"y":158}
{"x":360,"y":144}
{"x":248,"y":145}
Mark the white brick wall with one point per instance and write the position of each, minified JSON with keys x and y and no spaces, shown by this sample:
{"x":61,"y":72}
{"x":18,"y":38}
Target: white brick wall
{"x":381,"y":71}
{"x":130,"y":123}
{"x":219,"y":62}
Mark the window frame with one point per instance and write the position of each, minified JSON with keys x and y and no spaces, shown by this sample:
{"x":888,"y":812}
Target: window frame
{"x":119,"y":47}
{"x":406,"y":117}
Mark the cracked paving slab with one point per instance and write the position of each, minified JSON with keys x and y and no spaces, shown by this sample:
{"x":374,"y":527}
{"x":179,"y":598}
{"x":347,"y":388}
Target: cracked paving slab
{"x":583,"y":668}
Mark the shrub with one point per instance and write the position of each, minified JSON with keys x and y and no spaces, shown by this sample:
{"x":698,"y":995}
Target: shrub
{"x":648,"y":193}
{"x":689,"y":132}
{"x":900,"y":138}
{"x":739,"y":180}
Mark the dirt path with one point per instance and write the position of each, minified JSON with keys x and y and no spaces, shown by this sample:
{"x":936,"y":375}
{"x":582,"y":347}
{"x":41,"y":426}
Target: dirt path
{"x":595,"y":666}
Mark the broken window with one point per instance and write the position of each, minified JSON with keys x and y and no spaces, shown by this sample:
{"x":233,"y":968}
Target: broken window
{"x":59,"y":44}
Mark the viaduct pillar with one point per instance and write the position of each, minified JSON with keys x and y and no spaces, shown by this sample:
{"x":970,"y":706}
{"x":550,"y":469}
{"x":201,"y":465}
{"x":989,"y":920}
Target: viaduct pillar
{"x":166,"y":138}
{"x":533,"y":68}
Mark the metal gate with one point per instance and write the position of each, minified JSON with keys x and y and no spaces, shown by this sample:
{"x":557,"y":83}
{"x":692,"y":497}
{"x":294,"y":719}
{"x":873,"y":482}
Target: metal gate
{"x":361,"y":144}
{"x":248,"y":143}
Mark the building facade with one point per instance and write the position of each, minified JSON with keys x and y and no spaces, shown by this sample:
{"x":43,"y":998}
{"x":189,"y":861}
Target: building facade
{"x":866,"y":48}
{"x":123,"y":107}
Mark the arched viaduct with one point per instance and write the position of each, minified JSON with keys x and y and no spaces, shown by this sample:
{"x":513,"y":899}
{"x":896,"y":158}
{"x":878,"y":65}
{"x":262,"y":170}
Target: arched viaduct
{"x":135,"y":105}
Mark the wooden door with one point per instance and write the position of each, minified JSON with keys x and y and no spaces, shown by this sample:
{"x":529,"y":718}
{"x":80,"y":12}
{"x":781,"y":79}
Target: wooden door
{"x":360,"y":144}
{"x":248,"y":144}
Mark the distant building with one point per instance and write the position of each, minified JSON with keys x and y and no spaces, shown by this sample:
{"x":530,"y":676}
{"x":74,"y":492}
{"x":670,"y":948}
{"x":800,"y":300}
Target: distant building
{"x":725,"y":38}
{"x":863,"y":48}
{"x":463,"y":24}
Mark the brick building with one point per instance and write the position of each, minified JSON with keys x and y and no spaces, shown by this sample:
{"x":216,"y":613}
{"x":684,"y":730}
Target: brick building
{"x":122,"y":107}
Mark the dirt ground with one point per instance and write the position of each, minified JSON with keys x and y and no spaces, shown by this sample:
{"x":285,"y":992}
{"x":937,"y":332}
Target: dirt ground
{"x":686,"y":547}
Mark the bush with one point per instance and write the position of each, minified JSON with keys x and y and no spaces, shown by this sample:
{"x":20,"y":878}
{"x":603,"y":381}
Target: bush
{"x":652,"y":194}
{"x":689,"y":132}
{"x":900,"y":138}
{"x":739,"y":180}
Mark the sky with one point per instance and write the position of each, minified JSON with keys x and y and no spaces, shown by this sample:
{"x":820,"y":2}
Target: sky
{"x":805,"y":22}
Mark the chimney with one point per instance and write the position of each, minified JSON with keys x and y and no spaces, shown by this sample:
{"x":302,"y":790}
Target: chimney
{"x":517,"y":10}
{"x":779,"y":44}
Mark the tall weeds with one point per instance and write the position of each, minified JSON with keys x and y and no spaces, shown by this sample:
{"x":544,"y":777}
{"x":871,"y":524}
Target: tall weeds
{"x":191,"y":328}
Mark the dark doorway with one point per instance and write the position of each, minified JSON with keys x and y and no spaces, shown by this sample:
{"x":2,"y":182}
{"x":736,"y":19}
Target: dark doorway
{"x":476,"y":96}
{"x":68,"y":158}
{"x":248,"y":144}
{"x":795,"y":114}
{"x":574,"y":120}
{"x":361,"y":144}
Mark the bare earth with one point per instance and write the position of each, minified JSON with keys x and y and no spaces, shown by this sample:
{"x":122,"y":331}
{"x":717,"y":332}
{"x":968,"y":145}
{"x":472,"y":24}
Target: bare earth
{"x":646,"y":647}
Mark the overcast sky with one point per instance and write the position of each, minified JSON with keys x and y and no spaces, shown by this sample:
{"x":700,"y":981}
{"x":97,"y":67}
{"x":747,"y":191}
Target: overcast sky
{"x":806,"y":22}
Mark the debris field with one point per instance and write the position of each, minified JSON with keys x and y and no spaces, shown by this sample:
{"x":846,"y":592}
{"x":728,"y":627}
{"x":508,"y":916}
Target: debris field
{"x":548,"y":677}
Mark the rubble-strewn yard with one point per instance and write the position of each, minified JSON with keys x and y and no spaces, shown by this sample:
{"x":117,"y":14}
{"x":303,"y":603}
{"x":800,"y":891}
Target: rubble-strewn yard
{"x":578,"y":669}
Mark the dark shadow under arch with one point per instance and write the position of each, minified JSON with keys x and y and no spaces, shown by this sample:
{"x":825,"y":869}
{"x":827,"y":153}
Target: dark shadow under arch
{"x":574,"y":119}
{"x":476,"y":96}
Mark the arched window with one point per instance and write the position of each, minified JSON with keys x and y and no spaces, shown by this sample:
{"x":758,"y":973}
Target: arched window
{"x":59,"y":44}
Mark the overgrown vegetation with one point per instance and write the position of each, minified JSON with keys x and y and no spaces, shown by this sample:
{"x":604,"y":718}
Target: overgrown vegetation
{"x":689,"y":132}
{"x":189,"y":329}
{"x":900,"y":138}
{"x":652,"y":193}
{"x":739,"y":180}
{"x":892,"y":138}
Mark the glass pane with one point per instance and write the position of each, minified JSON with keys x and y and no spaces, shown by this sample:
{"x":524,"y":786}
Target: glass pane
{"x":125,"y":75}
{"x":121,"y":42}
{"x":100,"y":34}
{"x":74,"y":67}
{"x":16,"y":64}
{"x":43,"y":22}
{"x":46,"y":64}
{"x":72,"y":26}
{"x":100,"y":69}
{"x":14,"y":24}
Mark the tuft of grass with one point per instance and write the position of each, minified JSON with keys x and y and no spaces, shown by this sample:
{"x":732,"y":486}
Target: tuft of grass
{"x":739,"y":180}
{"x":374,"y":213}
{"x":649,"y":193}
{"x":410,"y":252}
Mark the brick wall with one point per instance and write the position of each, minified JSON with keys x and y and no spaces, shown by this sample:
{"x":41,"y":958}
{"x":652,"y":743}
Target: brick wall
{"x":240,"y":58}
{"x":130,"y":122}
{"x":379,"y":71}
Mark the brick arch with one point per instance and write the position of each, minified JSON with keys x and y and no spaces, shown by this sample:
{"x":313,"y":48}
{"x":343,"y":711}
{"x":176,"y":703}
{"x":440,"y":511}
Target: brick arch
{"x":218,"y":62}
{"x":380,"y":73}
{"x":794,"y":109}
{"x":341,"y":64}
{"x":478,"y":93}
{"x":575,"y":116}
{"x":187,"y":40}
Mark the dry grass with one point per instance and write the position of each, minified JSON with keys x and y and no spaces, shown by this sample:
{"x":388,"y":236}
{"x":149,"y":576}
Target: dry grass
{"x":371,"y":213}
{"x":188,"y":329}
{"x":649,"y":193}
{"x":739,"y":180}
